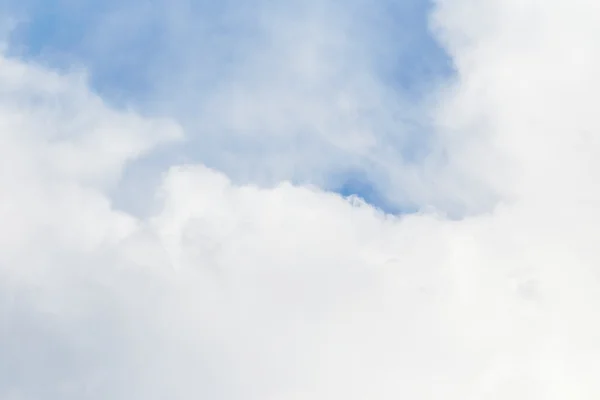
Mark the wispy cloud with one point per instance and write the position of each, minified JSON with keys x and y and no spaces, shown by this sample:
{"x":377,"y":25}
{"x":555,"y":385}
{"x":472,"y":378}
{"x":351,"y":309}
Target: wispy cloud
{"x":303,"y":91}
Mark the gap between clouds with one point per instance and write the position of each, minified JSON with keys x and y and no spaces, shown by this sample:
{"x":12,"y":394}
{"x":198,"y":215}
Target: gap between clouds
{"x":302,"y":91}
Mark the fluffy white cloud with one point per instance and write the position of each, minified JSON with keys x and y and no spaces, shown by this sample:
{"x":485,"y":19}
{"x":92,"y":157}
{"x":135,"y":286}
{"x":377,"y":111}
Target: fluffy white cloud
{"x":237,"y":292}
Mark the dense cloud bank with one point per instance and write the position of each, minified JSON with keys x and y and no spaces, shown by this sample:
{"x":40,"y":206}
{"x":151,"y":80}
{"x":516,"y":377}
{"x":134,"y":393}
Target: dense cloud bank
{"x":242,"y":291}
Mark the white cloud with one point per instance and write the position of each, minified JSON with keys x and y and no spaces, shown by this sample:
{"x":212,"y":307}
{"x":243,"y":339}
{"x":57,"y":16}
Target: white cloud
{"x":240,"y":292}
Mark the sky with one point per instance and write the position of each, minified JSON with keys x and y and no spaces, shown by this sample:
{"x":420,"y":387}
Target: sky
{"x":184,"y":60}
{"x":299,"y":200}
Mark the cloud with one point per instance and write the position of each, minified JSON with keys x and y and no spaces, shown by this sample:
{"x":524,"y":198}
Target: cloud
{"x":232,"y":291}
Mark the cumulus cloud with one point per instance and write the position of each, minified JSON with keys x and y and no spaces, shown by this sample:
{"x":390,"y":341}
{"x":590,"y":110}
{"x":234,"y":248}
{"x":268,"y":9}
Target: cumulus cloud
{"x":240,"y":291}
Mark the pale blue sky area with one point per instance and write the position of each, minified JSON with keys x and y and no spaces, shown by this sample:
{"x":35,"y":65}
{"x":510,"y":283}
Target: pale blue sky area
{"x":137,"y":50}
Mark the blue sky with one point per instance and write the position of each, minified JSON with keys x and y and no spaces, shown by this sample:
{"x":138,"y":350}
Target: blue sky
{"x":170,"y":58}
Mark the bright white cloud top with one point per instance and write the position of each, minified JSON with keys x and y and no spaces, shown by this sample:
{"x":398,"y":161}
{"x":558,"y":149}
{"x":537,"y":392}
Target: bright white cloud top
{"x":278,"y":291}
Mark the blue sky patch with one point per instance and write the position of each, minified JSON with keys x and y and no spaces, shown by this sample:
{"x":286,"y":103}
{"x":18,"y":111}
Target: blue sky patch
{"x":167,"y":58}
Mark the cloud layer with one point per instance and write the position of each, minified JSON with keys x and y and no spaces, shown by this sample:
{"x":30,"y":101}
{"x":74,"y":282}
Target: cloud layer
{"x":275,"y":290}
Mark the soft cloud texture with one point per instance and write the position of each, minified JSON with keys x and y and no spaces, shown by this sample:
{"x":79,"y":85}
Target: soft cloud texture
{"x":230,"y":291}
{"x":312,"y":92}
